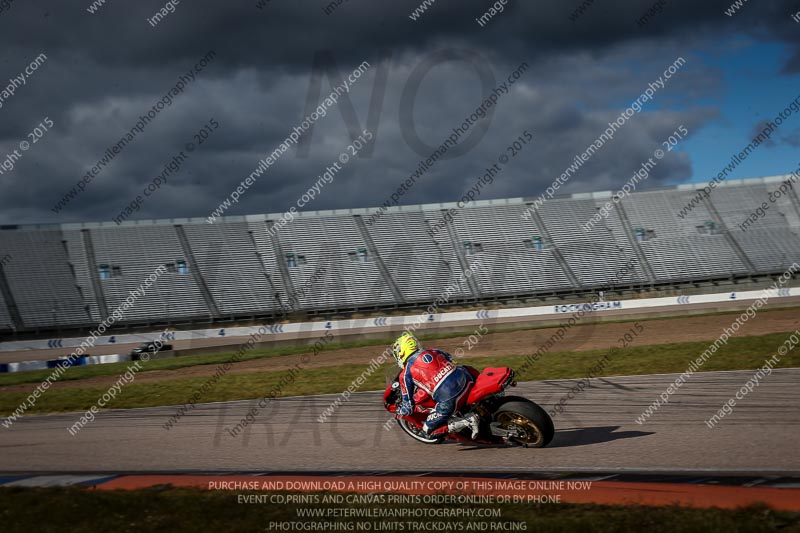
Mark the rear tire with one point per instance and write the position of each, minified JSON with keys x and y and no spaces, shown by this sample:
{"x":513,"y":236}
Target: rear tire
{"x":416,"y":433}
{"x":524,"y":415}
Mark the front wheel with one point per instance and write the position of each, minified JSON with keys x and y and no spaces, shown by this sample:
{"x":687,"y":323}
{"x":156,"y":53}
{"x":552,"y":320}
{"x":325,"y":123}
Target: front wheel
{"x":529,"y":420}
{"x":416,"y":433}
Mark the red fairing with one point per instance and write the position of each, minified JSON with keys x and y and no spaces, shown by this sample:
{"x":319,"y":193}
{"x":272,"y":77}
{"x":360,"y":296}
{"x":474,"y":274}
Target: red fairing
{"x":390,"y":406}
{"x":473,"y":371}
{"x":489,"y":382}
{"x":422,"y":400}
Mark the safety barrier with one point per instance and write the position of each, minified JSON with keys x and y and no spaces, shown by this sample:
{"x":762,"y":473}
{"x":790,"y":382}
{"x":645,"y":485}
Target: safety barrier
{"x":396,"y":323}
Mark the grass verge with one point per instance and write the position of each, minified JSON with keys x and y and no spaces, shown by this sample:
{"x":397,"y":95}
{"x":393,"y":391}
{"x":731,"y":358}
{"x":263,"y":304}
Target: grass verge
{"x":169,"y":509}
{"x":741,"y":353}
{"x":115,"y":369}
{"x":173,"y":363}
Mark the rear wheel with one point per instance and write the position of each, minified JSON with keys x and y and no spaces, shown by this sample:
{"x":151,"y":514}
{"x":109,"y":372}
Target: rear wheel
{"x":416,"y":433}
{"x":533,"y":424}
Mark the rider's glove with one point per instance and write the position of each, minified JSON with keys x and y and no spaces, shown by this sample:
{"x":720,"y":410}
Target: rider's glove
{"x":405,"y":409}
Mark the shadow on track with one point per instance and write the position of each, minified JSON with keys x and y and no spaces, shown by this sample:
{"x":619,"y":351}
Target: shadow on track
{"x":586,"y":436}
{"x":569,"y":438}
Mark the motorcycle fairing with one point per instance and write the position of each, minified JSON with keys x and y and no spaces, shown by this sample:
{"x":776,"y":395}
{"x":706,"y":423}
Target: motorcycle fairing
{"x":490,"y":381}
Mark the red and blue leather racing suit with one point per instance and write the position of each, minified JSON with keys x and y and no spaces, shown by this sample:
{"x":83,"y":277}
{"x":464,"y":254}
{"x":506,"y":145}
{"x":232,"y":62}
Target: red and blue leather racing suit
{"x":432,"y":373}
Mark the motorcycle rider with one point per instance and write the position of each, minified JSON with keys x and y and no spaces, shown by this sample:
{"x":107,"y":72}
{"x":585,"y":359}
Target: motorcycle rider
{"x":432,"y":373}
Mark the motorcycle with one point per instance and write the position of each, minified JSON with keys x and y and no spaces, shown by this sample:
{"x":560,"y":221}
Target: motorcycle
{"x":509,"y":420}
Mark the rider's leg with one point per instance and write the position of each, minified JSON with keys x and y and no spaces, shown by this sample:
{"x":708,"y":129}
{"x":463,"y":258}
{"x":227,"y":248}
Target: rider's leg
{"x":436,"y":423}
{"x":441,"y":421}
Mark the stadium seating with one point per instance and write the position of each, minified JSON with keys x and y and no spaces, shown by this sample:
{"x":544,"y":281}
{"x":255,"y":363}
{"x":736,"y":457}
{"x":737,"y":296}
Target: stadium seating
{"x":74,"y":275}
{"x":678,"y":251}
{"x":41,"y":279}
{"x":5,"y":318}
{"x":509,"y":263}
{"x":138,"y":251}
{"x":594,"y":256}
{"x":773,"y":241}
{"x":231,"y":265}
{"x":334,"y":248}
{"x":421,"y":265}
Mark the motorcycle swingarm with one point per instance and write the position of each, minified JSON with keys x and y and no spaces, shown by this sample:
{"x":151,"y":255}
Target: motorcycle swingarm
{"x":498,"y":431}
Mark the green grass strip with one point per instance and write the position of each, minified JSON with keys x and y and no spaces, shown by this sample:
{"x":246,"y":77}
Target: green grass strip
{"x":177,"y":510}
{"x":740,"y":353}
{"x":114,"y":369}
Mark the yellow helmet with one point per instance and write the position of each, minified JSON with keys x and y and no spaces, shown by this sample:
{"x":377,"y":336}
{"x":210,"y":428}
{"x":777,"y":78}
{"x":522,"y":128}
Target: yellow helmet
{"x":404,"y":347}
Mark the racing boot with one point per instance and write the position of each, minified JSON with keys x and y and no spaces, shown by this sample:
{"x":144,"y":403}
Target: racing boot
{"x":470,"y":421}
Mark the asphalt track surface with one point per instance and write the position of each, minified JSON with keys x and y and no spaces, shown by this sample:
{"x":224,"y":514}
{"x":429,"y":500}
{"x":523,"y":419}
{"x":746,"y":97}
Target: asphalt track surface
{"x":596,"y":433}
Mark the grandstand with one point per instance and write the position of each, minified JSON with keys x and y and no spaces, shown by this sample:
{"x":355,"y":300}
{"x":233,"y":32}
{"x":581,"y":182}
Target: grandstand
{"x":68,"y":276}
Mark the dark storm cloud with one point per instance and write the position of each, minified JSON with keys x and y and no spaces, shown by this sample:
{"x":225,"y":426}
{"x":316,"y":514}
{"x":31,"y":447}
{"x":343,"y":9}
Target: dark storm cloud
{"x":106,"y":69}
{"x":792,"y":138}
{"x":763,"y":126}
